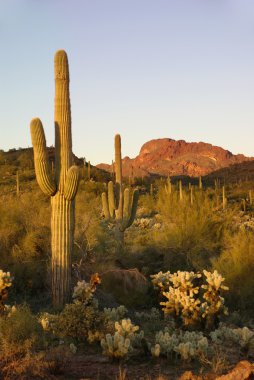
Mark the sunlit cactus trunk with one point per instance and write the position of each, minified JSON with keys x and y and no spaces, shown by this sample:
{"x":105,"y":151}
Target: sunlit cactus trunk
{"x":62,"y":233}
{"x":63,"y":187}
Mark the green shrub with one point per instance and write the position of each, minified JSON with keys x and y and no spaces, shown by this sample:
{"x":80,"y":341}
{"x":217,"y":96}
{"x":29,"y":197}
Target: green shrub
{"x":19,"y":326}
{"x":236,"y":263}
{"x":79,"y":322}
{"x":192,"y":233}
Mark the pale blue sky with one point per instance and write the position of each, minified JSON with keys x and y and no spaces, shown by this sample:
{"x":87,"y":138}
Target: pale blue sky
{"x":146,"y":69}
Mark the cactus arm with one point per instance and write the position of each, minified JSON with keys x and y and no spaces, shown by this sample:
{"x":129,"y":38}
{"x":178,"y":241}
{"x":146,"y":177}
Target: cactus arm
{"x":133,"y":209}
{"x":41,"y":161}
{"x":71,"y":183}
{"x":105,"y":207}
{"x":63,"y":139}
{"x":126,"y":203}
{"x":111,"y":199}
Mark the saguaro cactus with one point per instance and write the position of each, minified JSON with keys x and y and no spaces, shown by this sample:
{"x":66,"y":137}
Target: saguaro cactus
{"x":119,"y":205}
{"x":180,"y":190}
{"x":17,"y":183}
{"x":200,"y":184}
{"x":63,"y":187}
{"x":168,"y":186}
{"x":224,"y":198}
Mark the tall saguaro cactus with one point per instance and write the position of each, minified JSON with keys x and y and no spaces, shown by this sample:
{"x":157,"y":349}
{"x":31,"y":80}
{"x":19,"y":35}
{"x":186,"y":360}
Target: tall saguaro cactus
{"x":63,"y":187}
{"x":118,"y":205}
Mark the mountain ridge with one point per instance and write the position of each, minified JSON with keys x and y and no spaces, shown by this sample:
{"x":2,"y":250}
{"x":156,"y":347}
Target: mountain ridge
{"x":166,"y":156}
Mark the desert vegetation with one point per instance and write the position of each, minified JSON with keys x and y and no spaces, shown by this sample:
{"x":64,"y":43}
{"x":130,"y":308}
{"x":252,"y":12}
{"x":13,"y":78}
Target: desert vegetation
{"x":144,"y":278}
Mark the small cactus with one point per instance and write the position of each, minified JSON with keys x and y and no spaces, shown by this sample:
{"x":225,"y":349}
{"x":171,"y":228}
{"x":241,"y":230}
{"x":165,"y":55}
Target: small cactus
{"x":116,"y":346}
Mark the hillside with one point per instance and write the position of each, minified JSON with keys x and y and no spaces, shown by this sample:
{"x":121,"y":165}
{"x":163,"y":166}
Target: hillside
{"x":171,"y":157}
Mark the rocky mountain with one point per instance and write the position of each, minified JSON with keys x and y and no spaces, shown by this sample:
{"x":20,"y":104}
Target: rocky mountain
{"x":178,"y":157}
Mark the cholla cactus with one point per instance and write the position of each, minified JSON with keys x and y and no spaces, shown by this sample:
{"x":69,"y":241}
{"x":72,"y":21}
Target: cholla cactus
{"x":214,"y":303}
{"x":153,"y":315}
{"x":73,"y":348}
{"x":241,"y":336}
{"x":193,"y":345}
{"x":246,"y":337}
{"x":124,"y":339}
{"x":48,"y":321}
{"x":184,"y":281}
{"x":84,"y":291}
{"x":161,"y":280}
{"x":188,"y":345}
{"x":115,"y":314}
{"x":119,"y":205}
{"x":126,"y":328}
{"x":156,"y":350}
{"x":166,"y":342}
{"x":181,"y":304}
{"x":5,"y":283}
{"x":181,"y":300}
{"x":116,"y":346}
{"x":183,"y":291}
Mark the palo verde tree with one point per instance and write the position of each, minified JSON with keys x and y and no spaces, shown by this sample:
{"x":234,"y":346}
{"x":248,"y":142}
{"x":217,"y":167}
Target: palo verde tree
{"x":63,"y":187}
{"x":119,"y":205}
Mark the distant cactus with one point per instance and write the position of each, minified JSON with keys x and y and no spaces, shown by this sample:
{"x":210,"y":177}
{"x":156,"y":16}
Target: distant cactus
{"x":180,"y":190}
{"x":244,"y":205}
{"x":151,"y":190}
{"x":17,"y":183}
{"x":88,"y":171}
{"x":63,"y":187}
{"x":191,"y":195}
{"x":168,"y":186}
{"x":250,"y":197}
{"x":224,"y":199}
{"x":118,"y":205}
{"x":200,"y":184}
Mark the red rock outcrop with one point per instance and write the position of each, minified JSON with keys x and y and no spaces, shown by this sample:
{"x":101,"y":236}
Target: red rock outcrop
{"x":171,"y":157}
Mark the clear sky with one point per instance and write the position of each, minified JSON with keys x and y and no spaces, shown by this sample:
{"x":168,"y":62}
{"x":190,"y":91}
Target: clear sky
{"x":146,"y":69}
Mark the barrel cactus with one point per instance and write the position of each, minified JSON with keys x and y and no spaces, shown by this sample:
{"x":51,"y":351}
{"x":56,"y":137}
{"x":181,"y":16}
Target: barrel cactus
{"x":119,"y":205}
{"x":62,"y":188}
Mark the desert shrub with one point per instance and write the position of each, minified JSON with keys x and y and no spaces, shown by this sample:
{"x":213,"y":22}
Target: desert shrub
{"x":192,"y":233}
{"x":20,"y":362}
{"x":79,"y":322}
{"x":5,"y":283}
{"x":82,"y":319}
{"x":93,"y":244}
{"x":19,"y":326}
{"x":236,"y":263}
{"x":25,"y":241}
